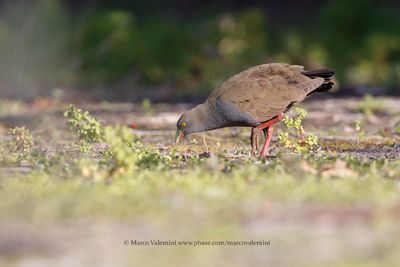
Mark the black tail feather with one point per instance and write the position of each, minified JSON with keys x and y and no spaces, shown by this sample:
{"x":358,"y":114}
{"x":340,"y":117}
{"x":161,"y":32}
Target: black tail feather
{"x":323,"y":88}
{"x":323,"y":73}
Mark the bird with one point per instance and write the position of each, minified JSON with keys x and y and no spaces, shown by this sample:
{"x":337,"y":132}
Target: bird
{"x":257,"y":97}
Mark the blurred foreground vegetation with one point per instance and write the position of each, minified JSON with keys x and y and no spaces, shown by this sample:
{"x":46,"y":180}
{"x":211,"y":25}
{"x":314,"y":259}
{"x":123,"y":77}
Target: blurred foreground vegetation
{"x":109,"y":171}
{"x":73,"y":180}
{"x":51,"y":43}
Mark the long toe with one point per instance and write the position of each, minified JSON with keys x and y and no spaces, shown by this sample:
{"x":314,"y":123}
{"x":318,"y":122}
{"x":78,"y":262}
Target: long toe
{"x":263,"y":153}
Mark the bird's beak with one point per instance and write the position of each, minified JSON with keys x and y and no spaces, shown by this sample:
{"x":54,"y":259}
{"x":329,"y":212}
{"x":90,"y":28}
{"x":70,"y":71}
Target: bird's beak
{"x":179,"y":136}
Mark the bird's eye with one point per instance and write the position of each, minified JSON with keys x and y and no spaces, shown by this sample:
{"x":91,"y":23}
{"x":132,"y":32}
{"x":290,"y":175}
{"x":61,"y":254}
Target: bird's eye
{"x":183,"y":125}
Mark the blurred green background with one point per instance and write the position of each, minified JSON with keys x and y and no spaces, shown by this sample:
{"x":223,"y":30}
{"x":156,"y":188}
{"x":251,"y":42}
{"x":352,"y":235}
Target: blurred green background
{"x":125,"y":49}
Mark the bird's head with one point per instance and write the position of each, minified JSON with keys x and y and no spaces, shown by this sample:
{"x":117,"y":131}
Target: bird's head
{"x":191,"y":121}
{"x":184,"y":126}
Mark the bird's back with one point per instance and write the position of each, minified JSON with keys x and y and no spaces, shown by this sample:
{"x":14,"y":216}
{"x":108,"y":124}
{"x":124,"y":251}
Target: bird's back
{"x":262,"y":92}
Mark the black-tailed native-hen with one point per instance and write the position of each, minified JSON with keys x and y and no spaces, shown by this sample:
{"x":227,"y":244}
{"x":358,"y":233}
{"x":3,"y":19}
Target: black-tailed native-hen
{"x":257,"y":97}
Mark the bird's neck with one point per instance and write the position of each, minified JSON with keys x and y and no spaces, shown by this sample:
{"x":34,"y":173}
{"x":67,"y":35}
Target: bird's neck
{"x":207,"y":117}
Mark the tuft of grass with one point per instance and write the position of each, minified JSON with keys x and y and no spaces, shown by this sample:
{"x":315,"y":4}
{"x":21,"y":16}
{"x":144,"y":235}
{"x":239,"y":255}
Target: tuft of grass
{"x":370,"y":105}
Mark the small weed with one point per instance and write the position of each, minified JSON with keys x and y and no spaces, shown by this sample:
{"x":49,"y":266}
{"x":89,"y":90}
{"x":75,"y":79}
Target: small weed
{"x":397,"y":130}
{"x":301,"y":144}
{"x":127,"y":153}
{"x":147,"y":107}
{"x":88,"y":128}
{"x":124,"y":153}
{"x":149,"y":158}
{"x":359,"y":128}
{"x":296,"y":122}
{"x":370,"y":105}
{"x":20,"y":145}
{"x":332,"y":132}
{"x":121,"y":149}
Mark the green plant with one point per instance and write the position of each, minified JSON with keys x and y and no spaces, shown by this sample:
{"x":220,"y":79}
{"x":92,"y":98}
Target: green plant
{"x":88,"y":128}
{"x":147,"y":107}
{"x":397,"y":129}
{"x":301,"y":144}
{"x":121,"y":152}
{"x":332,"y":132}
{"x":127,"y":154}
{"x":370,"y":105}
{"x":359,"y":128}
{"x":124,"y":152}
{"x":20,"y":145}
{"x":296,"y":122}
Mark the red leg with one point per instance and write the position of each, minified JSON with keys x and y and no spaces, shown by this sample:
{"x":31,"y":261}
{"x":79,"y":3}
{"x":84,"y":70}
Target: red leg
{"x":266,"y":125}
{"x":254,"y":140}
{"x":271,"y":122}
{"x":268,"y":136}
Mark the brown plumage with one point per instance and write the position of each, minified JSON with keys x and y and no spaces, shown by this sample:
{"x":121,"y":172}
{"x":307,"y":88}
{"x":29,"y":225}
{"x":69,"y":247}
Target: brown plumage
{"x":256,"y":97}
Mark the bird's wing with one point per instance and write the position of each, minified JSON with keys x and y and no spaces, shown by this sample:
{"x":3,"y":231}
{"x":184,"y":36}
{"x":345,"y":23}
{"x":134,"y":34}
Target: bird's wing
{"x":267,"y":90}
